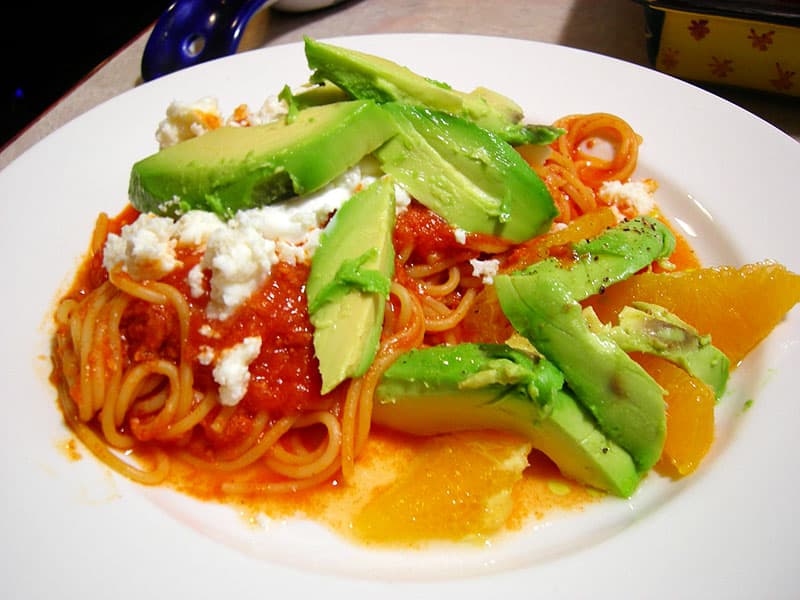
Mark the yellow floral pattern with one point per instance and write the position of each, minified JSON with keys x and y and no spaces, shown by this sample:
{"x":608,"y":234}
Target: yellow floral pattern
{"x":740,"y":52}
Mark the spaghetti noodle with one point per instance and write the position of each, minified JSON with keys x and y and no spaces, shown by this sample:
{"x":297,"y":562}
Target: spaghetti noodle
{"x":596,"y":148}
{"x":129,"y":354}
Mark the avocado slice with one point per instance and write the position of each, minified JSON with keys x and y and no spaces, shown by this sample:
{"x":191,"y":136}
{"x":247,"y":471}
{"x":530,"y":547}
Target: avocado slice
{"x":492,"y":386}
{"x":541,"y":302}
{"x":319,"y":94}
{"x":349,"y":281}
{"x":652,"y":329}
{"x":626,"y":402}
{"x":313,"y":95}
{"x":374,"y":78}
{"x":613,"y":256}
{"x":468,"y":176}
{"x":234,"y":168}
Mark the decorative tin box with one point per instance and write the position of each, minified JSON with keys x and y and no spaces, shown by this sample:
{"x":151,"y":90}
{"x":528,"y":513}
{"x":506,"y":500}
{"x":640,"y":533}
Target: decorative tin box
{"x":746,"y":43}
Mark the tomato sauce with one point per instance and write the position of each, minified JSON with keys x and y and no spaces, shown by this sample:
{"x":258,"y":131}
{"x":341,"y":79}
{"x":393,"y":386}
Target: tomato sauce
{"x":284,"y":377}
{"x":429,"y":234}
{"x":432,"y":237}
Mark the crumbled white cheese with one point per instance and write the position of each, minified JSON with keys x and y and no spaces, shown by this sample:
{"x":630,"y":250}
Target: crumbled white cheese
{"x":271,"y":110}
{"x":460,"y":235}
{"x":485,"y":269}
{"x":636,"y":196}
{"x":240,"y":255}
{"x":205,"y":355}
{"x":402,"y":199}
{"x":195,"y":227}
{"x":173,"y":205}
{"x":231,"y":371}
{"x":145,"y":249}
{"x":208,"y":331}
{"x":240,"y":259}
{"x":187,"y":120}
{"x":197,"y":281}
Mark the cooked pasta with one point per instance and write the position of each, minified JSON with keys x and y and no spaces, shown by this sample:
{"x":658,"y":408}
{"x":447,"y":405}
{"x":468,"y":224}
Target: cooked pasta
{"x":596,"y":148}
{"x":137,"y":389}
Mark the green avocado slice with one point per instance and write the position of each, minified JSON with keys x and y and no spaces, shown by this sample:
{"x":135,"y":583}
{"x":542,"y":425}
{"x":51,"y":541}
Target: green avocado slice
{"x":492,"y":386}
{"x":374,"y":78}
{"x":349,"y":281}
{"x":465,"y":174}
{"x":652,"y":329}
{"x":234,"y":168}
{"x":613,"y":256}
{"x":542,"y":303}
{"x":626,"y":402}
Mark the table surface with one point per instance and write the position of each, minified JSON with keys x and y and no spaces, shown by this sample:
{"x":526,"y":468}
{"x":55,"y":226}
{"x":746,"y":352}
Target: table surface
{"x":611,"y":27}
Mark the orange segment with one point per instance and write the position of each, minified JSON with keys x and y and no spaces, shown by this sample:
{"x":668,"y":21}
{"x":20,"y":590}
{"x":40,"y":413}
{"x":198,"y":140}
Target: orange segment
{"x":486,"y":322}
{"x":587,"y":226}
{"x":738,"y":307}
{"x":458,"y":486}
{"x":690,"y":416}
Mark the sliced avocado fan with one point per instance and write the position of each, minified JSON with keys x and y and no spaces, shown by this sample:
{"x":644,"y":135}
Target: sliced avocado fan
{"x":568,"y":383}
{"x":626,"y":402}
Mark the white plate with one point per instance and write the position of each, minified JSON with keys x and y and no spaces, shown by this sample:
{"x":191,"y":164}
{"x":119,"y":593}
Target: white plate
{"x":72,"y":528}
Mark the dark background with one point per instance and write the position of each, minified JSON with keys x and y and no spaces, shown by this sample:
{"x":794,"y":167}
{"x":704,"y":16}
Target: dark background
{"x":47,"y":48}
